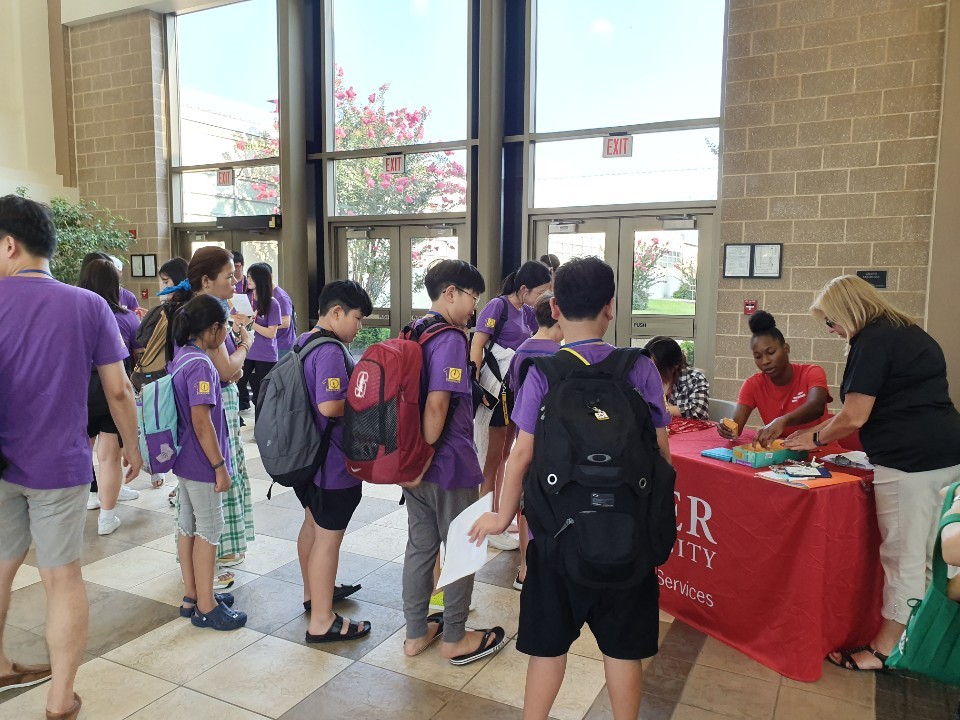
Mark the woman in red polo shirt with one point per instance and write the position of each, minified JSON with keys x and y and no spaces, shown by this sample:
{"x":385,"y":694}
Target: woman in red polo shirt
{"x":789,"y":396}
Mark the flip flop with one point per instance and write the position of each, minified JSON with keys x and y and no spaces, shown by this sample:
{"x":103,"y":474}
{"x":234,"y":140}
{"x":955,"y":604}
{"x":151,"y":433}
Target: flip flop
{"x":434,"y":618}
{"x":500,"y":639}
{"x":848,"y":663}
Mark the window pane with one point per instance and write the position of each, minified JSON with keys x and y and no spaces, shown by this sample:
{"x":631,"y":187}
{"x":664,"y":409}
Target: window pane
{"x":667,"y":166}
{"x":665,"y":272}
{"x":227,"y":66}
{"x":367,"y":337}
{"x":424,"y":252}
{"x":401,"y":71}
{"x":368,"y":263}
{"x":256,"y":191}
{"x":567,"y":246}
{"x":623,"y":62}
{"x":197,"y":244}
{"x":433,"y":182}
{"x":262,"y":251}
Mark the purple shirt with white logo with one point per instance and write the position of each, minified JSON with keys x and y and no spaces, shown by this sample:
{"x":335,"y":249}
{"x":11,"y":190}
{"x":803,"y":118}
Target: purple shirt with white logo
{"x":51,"y":334}
{"x":326,"y":372}
{"x":197,"y":384}
{"x":265,"y":349}
{"x":446,"y":367}
{"x":644,"y":377}
{"x":529,"y":348}
{"x":515,"y":328}
{"x":129,"y":300}
{"x":287,"y":336}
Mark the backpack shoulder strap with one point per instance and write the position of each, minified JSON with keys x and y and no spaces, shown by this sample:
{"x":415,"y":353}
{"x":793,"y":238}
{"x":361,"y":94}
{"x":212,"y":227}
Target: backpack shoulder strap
{"x":504,"y":312}
{"x":191,"y":359}
{"x":620,"y":362}
{"x":318,"y":339}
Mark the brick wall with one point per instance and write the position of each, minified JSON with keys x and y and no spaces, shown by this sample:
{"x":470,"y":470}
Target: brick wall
{"x":116,"y":103}
{"x":832,"y":116}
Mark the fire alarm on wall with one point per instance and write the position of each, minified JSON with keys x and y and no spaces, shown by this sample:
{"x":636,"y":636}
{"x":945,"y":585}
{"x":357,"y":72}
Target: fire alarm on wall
{"x":144,"y":294}
{"x":749,"y":307}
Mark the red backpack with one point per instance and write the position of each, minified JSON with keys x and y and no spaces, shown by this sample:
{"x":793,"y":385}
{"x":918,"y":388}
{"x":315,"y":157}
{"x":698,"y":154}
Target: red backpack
{"x":383,"y":436}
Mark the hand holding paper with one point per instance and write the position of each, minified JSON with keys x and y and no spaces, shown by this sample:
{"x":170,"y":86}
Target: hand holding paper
{"x":241,"y":305}
{"x":462,"y":556}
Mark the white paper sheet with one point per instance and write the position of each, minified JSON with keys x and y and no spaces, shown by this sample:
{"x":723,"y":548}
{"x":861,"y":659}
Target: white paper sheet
{"x":853,"y":458}
{"x":462,"y":556}
{"x":241,"y":303}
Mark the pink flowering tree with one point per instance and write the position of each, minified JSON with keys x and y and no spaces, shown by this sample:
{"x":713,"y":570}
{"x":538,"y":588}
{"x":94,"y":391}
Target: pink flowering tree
{"x":687,"y":271}
{"x":257,"y":189}
{"x":647,"y":270}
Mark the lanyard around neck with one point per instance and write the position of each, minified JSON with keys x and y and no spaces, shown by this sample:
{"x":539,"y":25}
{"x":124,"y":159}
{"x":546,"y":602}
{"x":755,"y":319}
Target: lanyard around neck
{"x":583,"y":342}
{"x":36,"y":272}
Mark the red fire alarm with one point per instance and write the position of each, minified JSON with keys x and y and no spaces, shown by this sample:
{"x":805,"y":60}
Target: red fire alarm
{"x":749,"y":307}
{"x":144,"y":294}
{"x":133,"y":233}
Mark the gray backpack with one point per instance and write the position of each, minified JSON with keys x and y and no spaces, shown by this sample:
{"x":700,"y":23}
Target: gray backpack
{"x":291,"y":447}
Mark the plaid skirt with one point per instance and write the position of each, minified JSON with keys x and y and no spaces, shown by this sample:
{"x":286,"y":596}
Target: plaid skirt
{"x":238,"y":502}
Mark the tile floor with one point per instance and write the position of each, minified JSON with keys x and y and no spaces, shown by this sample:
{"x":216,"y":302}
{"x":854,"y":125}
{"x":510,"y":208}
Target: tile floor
{"x":145,"y":663}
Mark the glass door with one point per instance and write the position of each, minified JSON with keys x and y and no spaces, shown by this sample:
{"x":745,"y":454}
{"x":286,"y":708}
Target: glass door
{"x":255,"y":248}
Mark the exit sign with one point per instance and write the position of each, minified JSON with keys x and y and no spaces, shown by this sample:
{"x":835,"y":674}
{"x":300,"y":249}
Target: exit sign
{"x":225,"y":177}
{"x":619,"y":146}
{"x":395,"y":164}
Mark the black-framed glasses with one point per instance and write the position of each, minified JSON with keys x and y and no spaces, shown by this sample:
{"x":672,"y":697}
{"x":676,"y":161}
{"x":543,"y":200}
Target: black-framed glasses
{"x":830,"y":323}
{"x":476,"y":298}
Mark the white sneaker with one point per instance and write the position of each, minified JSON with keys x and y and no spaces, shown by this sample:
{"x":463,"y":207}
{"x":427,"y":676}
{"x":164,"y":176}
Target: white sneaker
{"x":93,"y":501}
{"x":105,"y":527}
{"x":504,"y":541}
{"x":128,"y":493}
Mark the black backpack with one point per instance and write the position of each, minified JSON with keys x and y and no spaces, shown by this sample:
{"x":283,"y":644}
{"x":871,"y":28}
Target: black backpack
{"x":598,"y":494}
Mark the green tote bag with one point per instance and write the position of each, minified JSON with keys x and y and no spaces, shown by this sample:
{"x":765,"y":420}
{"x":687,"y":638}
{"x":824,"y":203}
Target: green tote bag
{"x":930,"y":645}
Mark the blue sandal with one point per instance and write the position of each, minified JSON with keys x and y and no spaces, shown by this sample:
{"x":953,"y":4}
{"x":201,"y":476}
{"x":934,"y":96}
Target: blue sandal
{"x":220,"y":618}
{"x":225,"y":598}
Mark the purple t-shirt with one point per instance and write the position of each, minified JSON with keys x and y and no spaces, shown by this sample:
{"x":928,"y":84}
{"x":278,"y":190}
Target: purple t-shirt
{"x":529,"y":348}
{"x":51,"y":334}
{"x":326,"y":372}
{"x":129,"y":324}
{"x":197,"y":384}
{"x":265,"y":349}
{"x":241,"y":287}
{"x":446,"y":368}
{"x":129,"y":300}
{"x":644,"y":377}
{"x":287,"y":336}
{"x":515,"y":329}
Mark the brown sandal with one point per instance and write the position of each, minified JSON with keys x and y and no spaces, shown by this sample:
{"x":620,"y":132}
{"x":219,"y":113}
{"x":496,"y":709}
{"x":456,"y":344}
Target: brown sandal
{"x":70,"y":714}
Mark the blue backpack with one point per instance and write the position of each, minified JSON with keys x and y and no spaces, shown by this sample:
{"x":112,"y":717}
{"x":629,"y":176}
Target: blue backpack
{"x":157,"y":421}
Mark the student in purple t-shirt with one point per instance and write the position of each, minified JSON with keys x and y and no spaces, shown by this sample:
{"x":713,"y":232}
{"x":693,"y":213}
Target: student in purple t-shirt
{"x":330,"y":501}
{"x":202,"y":465}
{"x":263,"y":354}
{"x":450,"y":483}
{"x":287,"y":335}
{"x":519,"y":290}
{"x":102,"y":278}
{"x":546,"y":341}
{"x":239,"y":276}
{"x":44,"y":374}
{"x":552,"y":608}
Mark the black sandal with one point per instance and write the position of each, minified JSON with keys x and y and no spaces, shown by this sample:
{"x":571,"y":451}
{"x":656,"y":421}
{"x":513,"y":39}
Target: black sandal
{"x":355,"y":630}
{"x":339,"y":593}
{"x":848,"y":663}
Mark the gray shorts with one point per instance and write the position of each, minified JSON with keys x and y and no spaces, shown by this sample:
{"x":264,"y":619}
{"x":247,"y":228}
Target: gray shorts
{"x":53,"y":519}
{"x":201,"y":511}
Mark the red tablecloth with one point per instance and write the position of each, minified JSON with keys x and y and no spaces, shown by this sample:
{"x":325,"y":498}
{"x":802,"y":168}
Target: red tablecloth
{"x":784,"y":575}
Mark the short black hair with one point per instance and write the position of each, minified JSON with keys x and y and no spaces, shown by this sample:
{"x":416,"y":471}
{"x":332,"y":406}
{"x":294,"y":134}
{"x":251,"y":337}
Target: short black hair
{"x":459,"y":273}
{"x":763,"y":323}
{"x":175,"y":269}
{"x":238,"y":257}
{"x":583,"y":287}
{"x":29,"y":223}
{"x":347,"y":294}
{"x":551,"y":261}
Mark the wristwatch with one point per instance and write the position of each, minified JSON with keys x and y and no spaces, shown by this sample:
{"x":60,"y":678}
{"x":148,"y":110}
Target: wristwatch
{"x":816,"y":440}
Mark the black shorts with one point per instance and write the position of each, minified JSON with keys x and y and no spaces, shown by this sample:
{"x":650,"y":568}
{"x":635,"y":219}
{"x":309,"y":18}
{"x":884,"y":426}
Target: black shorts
{"x":102,"y":424}
{"x":331,"y":509}
{"x":501,"y":418}
{"x":626,"y":621}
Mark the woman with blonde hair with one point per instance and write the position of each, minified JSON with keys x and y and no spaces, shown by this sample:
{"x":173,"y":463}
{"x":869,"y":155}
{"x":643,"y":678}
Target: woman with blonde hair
{"x":894,"y":391}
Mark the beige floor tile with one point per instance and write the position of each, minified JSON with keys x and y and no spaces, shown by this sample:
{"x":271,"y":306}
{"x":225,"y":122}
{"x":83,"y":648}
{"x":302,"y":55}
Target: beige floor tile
{"x":168,"y":588}
{"x":259,"y":487}
{"x":266,"y":554}
{"x":165,"y":544}
{"x":730,"y":694}
{"x":26,"y":575}
{"x":586,"y":645}
{"x":723,"y":657}
{"x":129,"y":568}
{"x":270,"y":676}
{"x":397,"y":519}
{"x":855,"y":687}
{"x":664,"y":617}
{"x":385,"y":492}
{"x":429,"y":665}
{"x":504,"y":678}
{"x":184,"y":703}
{"x":109,"y":692}
{"x":688,"y":712}
{"x":494,"y":606}
{"x":799,"y":705}
{"x":377,"y":541}
{"x":155,"y":499}
{"x":179,"y":652}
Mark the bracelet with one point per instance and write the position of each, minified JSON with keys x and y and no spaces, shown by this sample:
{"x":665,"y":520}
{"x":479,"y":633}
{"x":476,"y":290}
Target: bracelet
{"x":218,"y":465}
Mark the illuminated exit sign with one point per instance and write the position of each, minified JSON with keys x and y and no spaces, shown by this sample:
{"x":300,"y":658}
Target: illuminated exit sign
{"x":395,"y":164}
{"x":619,"y":146}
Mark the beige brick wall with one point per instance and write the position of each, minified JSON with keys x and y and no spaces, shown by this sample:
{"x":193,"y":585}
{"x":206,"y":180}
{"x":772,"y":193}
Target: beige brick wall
{"x":832,"y":117}
{"x":116,"y":102}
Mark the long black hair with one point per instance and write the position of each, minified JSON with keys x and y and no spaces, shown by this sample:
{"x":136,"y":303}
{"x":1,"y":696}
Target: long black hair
{"x":763,"y":323}
{"x":667,"y":356}
{"x":262,"y":277}
{"x":197,"y":315}
{"x":101,"y":277}
{"x":175,"y":269}
{"x":531,"y":274}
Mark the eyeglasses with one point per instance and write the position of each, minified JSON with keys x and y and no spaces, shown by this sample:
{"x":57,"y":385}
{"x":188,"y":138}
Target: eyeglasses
{"x":830,"y":323}
{"x":476,"y":298}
